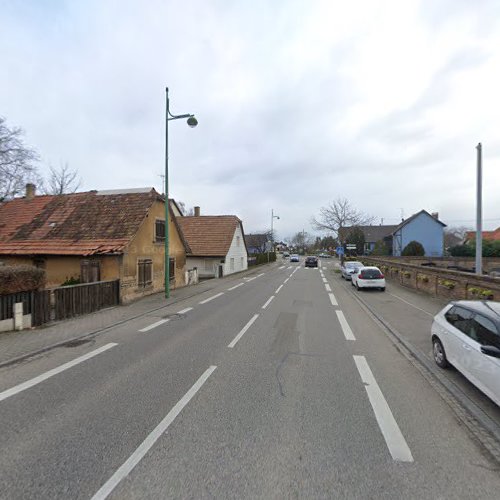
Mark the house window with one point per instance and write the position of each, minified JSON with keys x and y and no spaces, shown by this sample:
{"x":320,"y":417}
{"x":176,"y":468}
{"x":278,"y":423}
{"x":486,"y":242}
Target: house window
{"x":144,"y":273}
{"x":90,"y":271}
{"x":231,"y":264}
{"x":238,"y":241}
{"x":208,"y":265}
{"x":159,"y":230}
{"x":171,"y":269}
{"x":242,"y":261}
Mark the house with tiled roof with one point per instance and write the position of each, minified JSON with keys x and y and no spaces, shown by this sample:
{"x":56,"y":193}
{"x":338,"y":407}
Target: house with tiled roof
{"x":470,"y":236}
{"x":216,"y":244}
{"x":94,"y":236}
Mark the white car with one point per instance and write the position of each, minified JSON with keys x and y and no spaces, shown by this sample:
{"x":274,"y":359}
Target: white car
{"x":294,"y":258}
{"x":466,"y":334}
{"x":368,"y":277}
{"x":348,"y":268}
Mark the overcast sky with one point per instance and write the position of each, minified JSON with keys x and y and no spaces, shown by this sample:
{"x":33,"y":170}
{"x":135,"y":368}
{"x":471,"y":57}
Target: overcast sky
{"x":299,"y":102}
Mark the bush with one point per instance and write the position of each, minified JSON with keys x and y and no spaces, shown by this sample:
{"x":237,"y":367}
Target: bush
{"x":261,"y":258}
{"x":380,"y":248}
{"x":14,"y":279}
{"x":413,"y":249}
{"x":462,"y":251}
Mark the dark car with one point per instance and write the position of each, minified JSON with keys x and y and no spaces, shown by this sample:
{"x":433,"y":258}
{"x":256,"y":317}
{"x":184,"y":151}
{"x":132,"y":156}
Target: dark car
{"x":311,"y":262}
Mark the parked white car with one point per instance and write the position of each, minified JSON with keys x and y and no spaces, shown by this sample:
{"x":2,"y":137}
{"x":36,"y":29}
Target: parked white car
{"x":466,"y":334}
{"x":368,"y":277}
{"x":348,"y":268}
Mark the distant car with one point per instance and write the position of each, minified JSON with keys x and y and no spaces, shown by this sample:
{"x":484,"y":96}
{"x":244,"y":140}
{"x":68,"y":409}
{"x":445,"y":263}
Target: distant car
{"x":348,"y":268}
{"x":368,"y":277}
{"x":286,"y":255}
{"x":294,"y":258}
{"x":324,"y":256}
{"x":311,"y":261}
{"x":466,"y":334}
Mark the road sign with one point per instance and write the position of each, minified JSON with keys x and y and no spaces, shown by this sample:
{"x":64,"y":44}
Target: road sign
{"x":351,"y":247}
{"x":339,"y":250}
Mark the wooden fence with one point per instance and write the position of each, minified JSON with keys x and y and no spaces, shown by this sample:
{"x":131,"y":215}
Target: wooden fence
{"x":62,"y":302}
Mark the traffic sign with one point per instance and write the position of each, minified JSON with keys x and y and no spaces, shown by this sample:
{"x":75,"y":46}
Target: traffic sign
{"x":339,"y":250}
{"x":350,"y":246}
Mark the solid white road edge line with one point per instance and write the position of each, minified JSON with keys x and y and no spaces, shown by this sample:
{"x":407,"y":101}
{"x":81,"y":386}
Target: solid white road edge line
{"x":328,"y":288}
{"x":212,"y":298}
{"x":333,"y":300}
{"x":393,"y":436}
{"x":236,"y":286}
{"x":148,"y":443}
{"x":243,"y":330}
{"x":44,"y":376}
{"x":410,"y":304}
{"x":278,"y":289}
{"x":286,"y":280}
{"x":268,"y":302}
{"x":345,"y":326}
{"x":154,"y":325}
{"x":184,"y":311}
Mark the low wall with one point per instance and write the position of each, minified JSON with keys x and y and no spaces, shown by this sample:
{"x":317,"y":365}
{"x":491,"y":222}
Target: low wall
{"x":489,"y":263}
{"x":439,"y":282}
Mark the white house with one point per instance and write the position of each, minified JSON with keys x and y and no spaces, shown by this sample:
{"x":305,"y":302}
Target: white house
{"x":216,"y":242}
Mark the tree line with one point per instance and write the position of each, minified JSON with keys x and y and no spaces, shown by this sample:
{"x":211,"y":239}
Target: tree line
{"x":20,"y":165}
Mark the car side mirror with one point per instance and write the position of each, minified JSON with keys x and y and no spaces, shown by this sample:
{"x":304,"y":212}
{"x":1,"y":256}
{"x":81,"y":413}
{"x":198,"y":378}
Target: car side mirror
{"x":490,"y":350}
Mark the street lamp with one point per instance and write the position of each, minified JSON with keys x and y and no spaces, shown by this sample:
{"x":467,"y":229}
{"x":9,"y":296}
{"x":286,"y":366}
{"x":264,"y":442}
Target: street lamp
{"x":272,"y":234}
{"x":192,"y":122}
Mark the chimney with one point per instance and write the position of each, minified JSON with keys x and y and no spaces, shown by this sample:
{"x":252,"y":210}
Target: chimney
{"x":435,"y":215}
{"x":30,"y":191}
{"x":196,"y":211}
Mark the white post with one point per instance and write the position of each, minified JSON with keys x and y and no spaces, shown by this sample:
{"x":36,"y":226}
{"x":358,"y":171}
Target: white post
{"x":18,"y":316}
{"x":479,"y":208}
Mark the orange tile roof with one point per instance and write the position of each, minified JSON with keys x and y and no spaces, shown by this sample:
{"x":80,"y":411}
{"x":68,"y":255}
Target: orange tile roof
{"x":209,"y":235}
{"x":74,"y":224}
{"x":487,"y":235}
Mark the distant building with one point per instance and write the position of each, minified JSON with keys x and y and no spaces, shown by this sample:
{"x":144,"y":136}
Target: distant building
{"x":470,"y":236}
{"x":256,"y":243}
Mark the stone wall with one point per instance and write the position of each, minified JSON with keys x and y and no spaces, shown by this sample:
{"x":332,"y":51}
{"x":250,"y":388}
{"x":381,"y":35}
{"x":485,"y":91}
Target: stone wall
{"x":445,"y":283}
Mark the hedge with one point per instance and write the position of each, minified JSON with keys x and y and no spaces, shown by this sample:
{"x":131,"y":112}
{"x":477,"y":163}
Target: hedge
{"x":14,"y":279}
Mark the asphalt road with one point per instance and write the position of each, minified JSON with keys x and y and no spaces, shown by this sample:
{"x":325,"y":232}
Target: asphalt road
{"x":271,"y":386}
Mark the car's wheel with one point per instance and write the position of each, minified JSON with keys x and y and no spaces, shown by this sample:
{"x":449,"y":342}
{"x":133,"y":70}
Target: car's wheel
{"x":382,"y":289}
{"x":357,"y":287}
{"x":439,"y":353}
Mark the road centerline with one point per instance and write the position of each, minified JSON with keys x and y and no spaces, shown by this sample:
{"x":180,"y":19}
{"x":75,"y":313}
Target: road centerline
{"x":44,"y":376}
{"x":398,"y":448}
{"x":184,"y":311}
{"x":268,"y":302}
{"x":278,"y":289}
{"x":125,"y":469}
{"x":236,"y":286}
{"x":333,"y":300}
{"x":243,"y":331}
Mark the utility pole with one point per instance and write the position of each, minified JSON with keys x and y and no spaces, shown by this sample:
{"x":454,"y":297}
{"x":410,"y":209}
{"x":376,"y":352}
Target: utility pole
{"x":479,"y":210}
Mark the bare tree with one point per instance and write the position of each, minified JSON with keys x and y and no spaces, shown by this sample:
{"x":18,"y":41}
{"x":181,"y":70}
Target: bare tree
{"x":63,"y":180}
{"x":17,"y":161}
{"x":338,"y":214}
{"x":455,"y":235}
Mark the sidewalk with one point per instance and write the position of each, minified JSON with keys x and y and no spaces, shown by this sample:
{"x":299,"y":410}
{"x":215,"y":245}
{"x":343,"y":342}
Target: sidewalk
{"x":15,"y":346}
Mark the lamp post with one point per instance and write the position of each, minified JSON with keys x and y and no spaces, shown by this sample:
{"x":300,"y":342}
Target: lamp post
{"x":272,"y":234}
{"x":192,"y":122}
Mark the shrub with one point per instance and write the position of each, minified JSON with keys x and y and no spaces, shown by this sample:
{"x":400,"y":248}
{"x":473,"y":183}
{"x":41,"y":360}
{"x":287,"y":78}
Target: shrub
{"x":447,"y":283}
{"x":14,"y":279}
{"x":413,"y":249}
{"x":71,"y":281}
{"x":380,"y":248}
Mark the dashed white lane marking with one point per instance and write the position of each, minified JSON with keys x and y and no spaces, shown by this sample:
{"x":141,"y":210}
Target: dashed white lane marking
{"x":333,"y":300}
{"x":393,"y":436}
{"x":236,"y":286}
{"x":328,"y":288}
{"x":261,"y":274}
{"x":345,"y":326}
{"x":324,"y":280}
{"x":289,"y":267}
{"x":286,"y":280}
{"x":212,"y":298}
{"x":278,"y":289}
{"x":148,"y":443}
{"x":251,"y":279}
{"x":44,"y":376}
{"x":154,"y":325}
{"x":281,"y":267}
{"x":410,"y":304}
{"x":268,"y":302}
{"x":243,"y":330}
{"x":184,"y":311}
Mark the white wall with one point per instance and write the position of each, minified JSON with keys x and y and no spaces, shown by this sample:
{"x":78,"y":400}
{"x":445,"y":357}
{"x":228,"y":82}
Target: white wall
{"x":201,"y":264}
{"x":238,"y":252}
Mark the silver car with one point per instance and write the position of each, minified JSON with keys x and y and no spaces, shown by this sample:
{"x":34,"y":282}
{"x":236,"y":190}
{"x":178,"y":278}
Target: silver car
{"x":348,"y":268}
{"x":466,"y":334}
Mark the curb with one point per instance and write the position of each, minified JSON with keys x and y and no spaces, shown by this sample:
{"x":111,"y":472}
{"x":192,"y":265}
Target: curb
{"x":484,"y":429}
